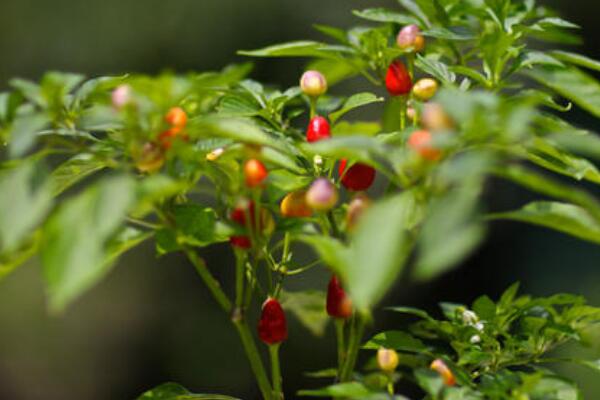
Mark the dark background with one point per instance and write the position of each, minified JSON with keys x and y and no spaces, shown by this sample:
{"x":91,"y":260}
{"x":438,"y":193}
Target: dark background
{"x":152,"y":320}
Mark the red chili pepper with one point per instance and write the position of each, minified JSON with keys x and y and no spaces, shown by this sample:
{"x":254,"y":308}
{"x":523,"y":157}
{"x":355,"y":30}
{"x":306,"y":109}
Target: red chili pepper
{"x":358,"y":177}
{"x":397,"y":80}
{"x":243,"y":242}
{"x":339,"y":304}
{"x":318,"y":129}
{"x":272,"y":326}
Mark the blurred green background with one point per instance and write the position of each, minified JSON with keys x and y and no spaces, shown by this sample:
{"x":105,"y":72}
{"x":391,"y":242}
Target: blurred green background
{"x":151,"y":320}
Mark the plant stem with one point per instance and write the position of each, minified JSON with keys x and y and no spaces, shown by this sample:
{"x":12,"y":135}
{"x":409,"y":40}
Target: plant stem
{"x":253,"y":356}
{"x":403,"y":107}
{"x":334,"y":228}
{"x":209,"y":280}
{"x":275,"y":372}
{"x":356,"y":333}
{"x":341,"y":343}
{"x":240,"y":262}
{"x":286,"y":248}
{"x":410,"y":60}
{"x":390,"y":387}
{"x":238,"y":320}
{"x":313,"y":107}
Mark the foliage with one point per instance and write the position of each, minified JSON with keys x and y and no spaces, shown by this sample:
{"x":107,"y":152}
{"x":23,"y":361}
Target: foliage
{"x":95,"y":167}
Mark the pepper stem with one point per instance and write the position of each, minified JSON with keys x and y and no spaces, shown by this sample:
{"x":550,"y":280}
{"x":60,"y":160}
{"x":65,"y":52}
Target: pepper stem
{"x":356,"y":332}
{"x":341,"y":343}
{"x":276,"y":371}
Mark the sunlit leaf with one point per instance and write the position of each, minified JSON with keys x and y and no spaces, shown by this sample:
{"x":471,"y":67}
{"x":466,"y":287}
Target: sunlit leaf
{"x":174,"y":391}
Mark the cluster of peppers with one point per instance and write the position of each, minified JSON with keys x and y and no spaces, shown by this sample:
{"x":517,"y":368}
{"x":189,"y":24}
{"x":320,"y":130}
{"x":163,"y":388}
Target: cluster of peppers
{"x":322,"y":195}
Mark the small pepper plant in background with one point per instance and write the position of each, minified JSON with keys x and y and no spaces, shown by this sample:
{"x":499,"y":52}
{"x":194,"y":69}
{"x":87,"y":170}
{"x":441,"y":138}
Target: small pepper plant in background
{"x":466,"y":90}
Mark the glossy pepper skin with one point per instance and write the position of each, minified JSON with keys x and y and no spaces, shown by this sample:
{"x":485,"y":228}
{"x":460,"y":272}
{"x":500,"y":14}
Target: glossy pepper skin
{"x":425,"y":89}
{"x":387,"y":360}
{"x":294,"y":205}
{"x":318,"y":129}
{"x":441,"y":368}
{"x":410,"y":37}
{"x":255,"y":173}
{"x":176,"y":117}
{"x":240,"y":215}
{"x":272,"y":326}
{"x":339,"y":305}
{"x":358,"y":177}
{"x":240,"y":241}
{"x":421,"y":143}
{"x":313,"y":83}
{"x":322,"y":195}
{"x":397,"y":80}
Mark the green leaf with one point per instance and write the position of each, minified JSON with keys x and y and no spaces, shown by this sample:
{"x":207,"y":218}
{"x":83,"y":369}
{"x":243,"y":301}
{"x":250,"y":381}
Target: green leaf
{"x":549,"y":187}
{"x":485,"y":308}
{"x":240,"y":129}
{"x":93,"y":86}
{"x":352,"y":390}
{"x":555,"y":22}
{"x":435,"y":68}
{"x":577,"y":59}
{"x":429,"y":381}
{"x":77,"y":238}
{"x":531,"y":58}
{"x":555,"y":387}
{"x":25,"y":199}
{"x":174,"y":391}
{"x":379,"y":248}
{"x":470,"y":73}
{"x":396,"y":340}
{"x":588,"y":144}
{"x":304,"y":48}
{"x":411,"y":311}
{"x":196,"y":225}
{"x":333,"y":252}
{"x":125,"y":240}
{"x":415,"y":8}
{"x":334,"y":70}
{"x":358,"y":128}
{"x":31,"y":91}
{"x":573,"y":84}
{"x":73,"y":171}
{"x":324,"y":373}
{"x":11,"y":260}
{"x":562,"y":217}
{"x":23,"y":132}
{"x":238,"y":106}
{"x":454,"y":34}
{"x":545,"y":154}
{"x":355,"y":101}
{"x":452,"y":229}
{"x":153,"y":190}
{"x":385,"y":15}
{"x":309,"y":307}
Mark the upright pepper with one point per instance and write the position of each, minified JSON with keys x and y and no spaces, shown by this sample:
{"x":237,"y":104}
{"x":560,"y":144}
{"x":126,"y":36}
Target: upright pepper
{"x":272,"y":326}
{"x":397,"y":80}
{"x":339,"y":305}
{"x":358,"y":177}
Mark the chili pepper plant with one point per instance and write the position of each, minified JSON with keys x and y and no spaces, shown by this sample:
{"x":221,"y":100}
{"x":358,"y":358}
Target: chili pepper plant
{"x":464,"y":90}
